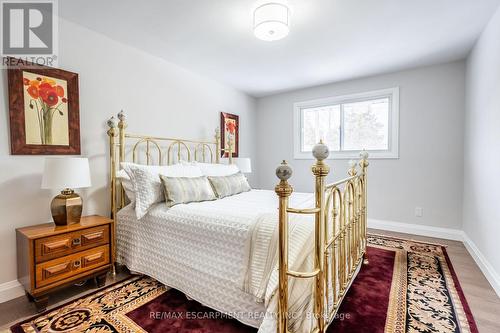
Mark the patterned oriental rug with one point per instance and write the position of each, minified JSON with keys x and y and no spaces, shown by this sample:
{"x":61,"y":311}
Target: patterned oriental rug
{"x":408,"y":287}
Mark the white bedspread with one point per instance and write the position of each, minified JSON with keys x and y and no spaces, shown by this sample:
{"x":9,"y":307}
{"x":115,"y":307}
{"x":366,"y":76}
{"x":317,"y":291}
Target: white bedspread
{"x":262,"y":277}
{"x":202,"y":249}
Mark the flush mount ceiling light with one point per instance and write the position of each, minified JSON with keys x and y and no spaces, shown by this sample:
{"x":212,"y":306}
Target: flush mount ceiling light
{"x":271,"y":21}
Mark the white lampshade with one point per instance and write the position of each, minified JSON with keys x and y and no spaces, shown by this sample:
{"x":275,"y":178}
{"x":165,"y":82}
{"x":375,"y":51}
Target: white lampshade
{"x":66,"y":172}
{"x":271,"y":21}
{"x":244,"y":164}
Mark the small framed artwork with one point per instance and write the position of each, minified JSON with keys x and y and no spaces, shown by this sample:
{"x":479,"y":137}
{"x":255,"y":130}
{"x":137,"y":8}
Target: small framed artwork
{"x":44,"y":110}
{"x":230,"y":126}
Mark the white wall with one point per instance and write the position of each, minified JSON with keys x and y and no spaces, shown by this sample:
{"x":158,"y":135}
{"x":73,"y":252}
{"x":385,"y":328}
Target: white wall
{"x":159,"y":98}
{"x":429,"y":172}
{"x":482,"y":149}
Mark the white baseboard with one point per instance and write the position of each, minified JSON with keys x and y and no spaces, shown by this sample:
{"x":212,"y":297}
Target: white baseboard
{"x":10,"y":290}
{"x":417,"y":229}
{"x":489,"y":272}
{"x":445,"y":233}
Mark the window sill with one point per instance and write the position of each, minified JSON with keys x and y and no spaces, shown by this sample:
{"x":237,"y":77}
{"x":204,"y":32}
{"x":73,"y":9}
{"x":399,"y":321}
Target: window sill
{"x":336,"y":155}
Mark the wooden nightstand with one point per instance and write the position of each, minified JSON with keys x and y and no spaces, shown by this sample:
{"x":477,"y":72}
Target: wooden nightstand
{"x":51,"y":257}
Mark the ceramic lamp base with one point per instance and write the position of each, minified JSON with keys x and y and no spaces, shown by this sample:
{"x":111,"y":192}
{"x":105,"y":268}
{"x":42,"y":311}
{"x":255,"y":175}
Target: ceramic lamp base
{"x":66,"y":208}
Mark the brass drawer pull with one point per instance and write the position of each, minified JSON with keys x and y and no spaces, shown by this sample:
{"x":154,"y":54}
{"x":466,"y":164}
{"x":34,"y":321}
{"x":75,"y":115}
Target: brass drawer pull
{"x":55,"y":270}
{"x":77,"y":241}
{"x":76,"y":263}
{"x":95,"y":236}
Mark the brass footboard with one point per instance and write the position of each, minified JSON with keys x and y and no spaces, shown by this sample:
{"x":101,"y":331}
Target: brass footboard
{"x":339,"y":237}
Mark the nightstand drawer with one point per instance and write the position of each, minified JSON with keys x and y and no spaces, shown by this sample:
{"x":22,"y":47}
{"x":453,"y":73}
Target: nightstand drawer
{"x":71,"y":265}
{"x":61,"y":245}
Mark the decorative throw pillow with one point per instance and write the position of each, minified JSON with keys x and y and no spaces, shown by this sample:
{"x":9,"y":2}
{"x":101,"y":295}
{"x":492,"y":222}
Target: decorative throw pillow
{"x":147,"y":184}
{"x":185,"y":190}
{"x":229,"y":185}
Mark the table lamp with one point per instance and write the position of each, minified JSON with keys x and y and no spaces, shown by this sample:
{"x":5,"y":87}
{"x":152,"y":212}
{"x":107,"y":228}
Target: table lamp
{"x":66,"y":174}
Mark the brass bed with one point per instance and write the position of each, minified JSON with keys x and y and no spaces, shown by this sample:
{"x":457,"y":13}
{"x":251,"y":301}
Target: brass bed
{"x":339,"y":213}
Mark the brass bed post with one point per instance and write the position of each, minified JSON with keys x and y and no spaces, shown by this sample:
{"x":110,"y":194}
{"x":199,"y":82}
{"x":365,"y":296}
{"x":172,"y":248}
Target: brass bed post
{"x":320,"y":170}
{"x":217,"y":145}
{"x":283,"y":190}
{"x":353,"y":218}
{"x":122,"y":125}
{"x":112,"y":173}
{"x":364,"y":166}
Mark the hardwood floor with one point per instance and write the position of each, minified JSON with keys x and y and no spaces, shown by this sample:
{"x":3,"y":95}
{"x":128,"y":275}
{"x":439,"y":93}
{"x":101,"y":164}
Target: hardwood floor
{"x":485,"y":304}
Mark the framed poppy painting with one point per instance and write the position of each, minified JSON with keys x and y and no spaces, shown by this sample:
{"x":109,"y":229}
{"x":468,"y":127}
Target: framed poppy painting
{"x":230,"y":126}
{"x":44,"y":110}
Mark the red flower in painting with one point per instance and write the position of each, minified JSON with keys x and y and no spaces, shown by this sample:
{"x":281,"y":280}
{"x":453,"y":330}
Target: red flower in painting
{"x":43,"y":93}
{"x":45,"y":90}
{"x":33,"y":91}
{"x":64,"y":100}
{"x":26,"y":81}
{"x":230,"y":127}
{"x":52,"y":98}
{"x":60,"y":91}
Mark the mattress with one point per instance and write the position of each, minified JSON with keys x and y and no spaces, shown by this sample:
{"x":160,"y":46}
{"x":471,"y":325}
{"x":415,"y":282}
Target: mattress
{"x":201,"y":248}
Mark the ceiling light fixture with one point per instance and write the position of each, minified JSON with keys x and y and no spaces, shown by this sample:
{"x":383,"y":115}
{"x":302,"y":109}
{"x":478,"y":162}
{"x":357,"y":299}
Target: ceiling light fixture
{"x":271,"y":21}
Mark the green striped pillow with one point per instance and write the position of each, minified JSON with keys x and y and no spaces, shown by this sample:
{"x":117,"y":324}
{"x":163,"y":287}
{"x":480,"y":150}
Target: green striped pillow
{"x":186,"y":189}
{"x":229,"y":185}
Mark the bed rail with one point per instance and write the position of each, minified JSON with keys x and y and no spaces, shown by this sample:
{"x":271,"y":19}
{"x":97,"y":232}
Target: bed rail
{"x":339,"y":237}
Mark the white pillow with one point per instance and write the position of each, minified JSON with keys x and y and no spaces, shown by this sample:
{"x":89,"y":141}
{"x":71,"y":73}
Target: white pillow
{"x":127,"y":184}
{"x":147,"y":183}
{"x":217,"y":170}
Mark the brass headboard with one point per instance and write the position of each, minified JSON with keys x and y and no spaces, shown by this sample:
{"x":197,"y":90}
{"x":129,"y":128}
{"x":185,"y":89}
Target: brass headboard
{"x":154,"y":151}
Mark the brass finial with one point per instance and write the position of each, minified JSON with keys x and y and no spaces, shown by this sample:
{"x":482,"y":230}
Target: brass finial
{"x":284,"y":171}
{"x":364,"y":154}
{"x":122,"y":116}
{"x":112,"y":122}
{"x":320,"y":151}
{"x":364,"y":159}
{"x":352,"y":168}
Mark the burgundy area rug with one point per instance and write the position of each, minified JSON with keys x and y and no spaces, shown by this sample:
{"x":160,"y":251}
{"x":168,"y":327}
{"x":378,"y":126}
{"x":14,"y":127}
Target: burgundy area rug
{"x":407,"y":287}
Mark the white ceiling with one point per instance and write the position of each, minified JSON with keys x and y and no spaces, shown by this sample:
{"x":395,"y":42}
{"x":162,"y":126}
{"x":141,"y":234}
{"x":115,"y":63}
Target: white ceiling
{"x":330,"y":40}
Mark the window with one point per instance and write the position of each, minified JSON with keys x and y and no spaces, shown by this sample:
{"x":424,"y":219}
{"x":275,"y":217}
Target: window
{"x":349,"y":124}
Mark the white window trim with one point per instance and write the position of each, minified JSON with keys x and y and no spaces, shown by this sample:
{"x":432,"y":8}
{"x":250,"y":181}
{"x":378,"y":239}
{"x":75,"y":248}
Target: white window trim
{"x":391,"y":153}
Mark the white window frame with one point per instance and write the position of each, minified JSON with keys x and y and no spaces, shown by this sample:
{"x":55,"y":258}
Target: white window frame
{"x":391,"y":153}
